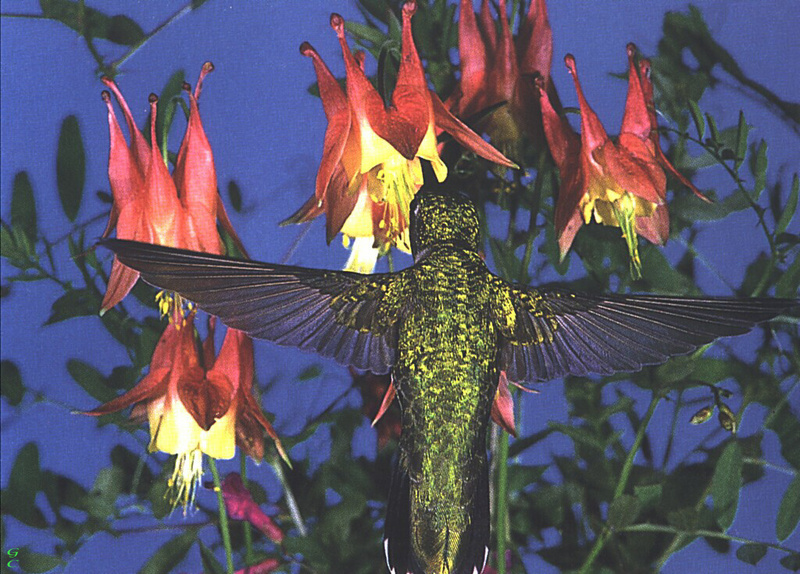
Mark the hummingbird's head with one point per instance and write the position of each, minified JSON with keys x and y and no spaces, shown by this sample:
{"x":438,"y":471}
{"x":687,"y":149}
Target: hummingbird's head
{"x":438,"y":217}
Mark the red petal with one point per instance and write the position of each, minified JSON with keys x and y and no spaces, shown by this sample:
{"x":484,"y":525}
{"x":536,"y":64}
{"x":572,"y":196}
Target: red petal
{"x":647,"y":89}
{"x":120,"y":283}
{"x":565,"y":144}
{"x":153,"y":384}
{"x":139,"y":147}
{"x":196,"y":181}
{"x":337,"y":111}
{"x":209,"y":356}
{"x":503,"y":73}
{"x":473,"y":61}
{"x":340,"y":202}
{"x":207,"y":398}
{"x":656,"y":227}
{"x":308,"y":211}
{"x":636,"y":120}
{"x":535,"y":41}
{"x":385,"y":403}
{"x":503,"y":406}
{"x":124,"y":174}
{"x":593,"y":134}
{"x":240,"y":506}
{"x":465,"y":136}
{"x":629,"y":173}
{"x":488,"y":29}
{"x":164,"y":214}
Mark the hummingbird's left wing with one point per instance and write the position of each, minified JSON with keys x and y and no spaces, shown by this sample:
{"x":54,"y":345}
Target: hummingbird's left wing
{"x":547,"y":334}
{"x":349,"y":317}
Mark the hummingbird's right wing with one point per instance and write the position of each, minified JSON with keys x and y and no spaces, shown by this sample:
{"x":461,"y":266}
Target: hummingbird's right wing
{"x":547,"y":334}
{"x":349,"y":317}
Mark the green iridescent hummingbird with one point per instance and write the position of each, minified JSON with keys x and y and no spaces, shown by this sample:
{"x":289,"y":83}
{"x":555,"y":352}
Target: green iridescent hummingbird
{"x":445,"y":327}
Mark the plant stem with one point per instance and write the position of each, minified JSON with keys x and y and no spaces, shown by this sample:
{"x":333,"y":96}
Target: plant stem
{"x":501,"y":515}
{"x":627,"y":467}
{"x":138,"y":45}
{"x":704,"y":533}
{"x":291,"y":502}
{"x":223,"y":517}
{"x":248,"y":530}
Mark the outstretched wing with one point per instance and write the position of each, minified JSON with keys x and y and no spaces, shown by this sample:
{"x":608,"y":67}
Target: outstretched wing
{"x":553,"y":333}
{"x":349,"y":317}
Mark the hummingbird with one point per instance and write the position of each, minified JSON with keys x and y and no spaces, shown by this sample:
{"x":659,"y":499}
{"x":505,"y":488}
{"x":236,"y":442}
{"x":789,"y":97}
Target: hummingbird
{"x":445,"y":328}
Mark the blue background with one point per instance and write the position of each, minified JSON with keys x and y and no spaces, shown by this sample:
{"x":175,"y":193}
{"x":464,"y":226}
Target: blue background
{"x":266,"y":132}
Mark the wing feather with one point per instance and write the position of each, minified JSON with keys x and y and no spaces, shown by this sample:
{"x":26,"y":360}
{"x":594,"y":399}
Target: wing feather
{"x":349,"y":317}
{"x":554,"y":333}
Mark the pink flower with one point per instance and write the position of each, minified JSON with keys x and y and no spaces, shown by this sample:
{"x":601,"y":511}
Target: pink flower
{"x":241,"y":506}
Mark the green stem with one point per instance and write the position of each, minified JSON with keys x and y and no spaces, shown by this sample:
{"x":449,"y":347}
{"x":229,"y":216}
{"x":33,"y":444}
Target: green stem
{"x":704,"y":533}
{"x":501,"y":515}
{"x":622,"y":483}
{"x":136,"y":47}
{"x":223,"y":517}
{"x":291,"y":502}
{"x":248,"y":530}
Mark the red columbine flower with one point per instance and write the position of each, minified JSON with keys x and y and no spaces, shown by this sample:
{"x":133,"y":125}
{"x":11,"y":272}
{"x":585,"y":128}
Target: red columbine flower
{"x":193,"y":408}
{"x":495,"y":68}
{"x":370,"y":169}
{"x":148,"y":205}
{"x":240,"y":505}
{"x":620,"y":184}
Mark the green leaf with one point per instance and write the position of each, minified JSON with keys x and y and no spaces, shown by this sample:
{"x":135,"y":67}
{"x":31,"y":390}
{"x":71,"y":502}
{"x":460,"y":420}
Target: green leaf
{"x":91,"y":380}
{"x":74,"y":303}
{"x":787,"y":427}
{"x":210,"y":563}
{"x":170,"y":554}
{"x":712,"y":126}
{"x":11,"y":385}
{"x":235,"y":196}
{"x":25,"y":480}
{"x":623,"y":511}
{"x":697,"y":117}
{"x":759,"y":168}
{"x":741,"y":141}
{"x":102,"y":499}
{"x":364,"y":32}
{"x":789,"y":511}
{"x":751,"y":553}
{"x":36,"y":562}
{"x":23,"y":206}
{"x":791,"y":207}
{"x":648,"y":494}
{"x":311,"y":372}
{"x":93,"y":23}
{"x":789,"y":281}
{"x":726,"y":483}
{"x":70,"y":167}
{"x":123,"y":30}
{"x":791,"y":562}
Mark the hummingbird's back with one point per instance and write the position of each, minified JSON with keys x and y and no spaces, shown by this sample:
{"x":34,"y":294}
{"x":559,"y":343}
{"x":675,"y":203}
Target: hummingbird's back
{"x":446,"y":378}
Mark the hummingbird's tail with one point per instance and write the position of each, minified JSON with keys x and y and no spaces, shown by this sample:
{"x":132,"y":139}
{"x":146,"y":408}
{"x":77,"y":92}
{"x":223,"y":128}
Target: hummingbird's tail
{"x":458,"y":550}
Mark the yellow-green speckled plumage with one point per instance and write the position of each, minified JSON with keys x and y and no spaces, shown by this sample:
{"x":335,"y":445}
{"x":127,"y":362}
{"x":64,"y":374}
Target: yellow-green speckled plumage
{"x":446,"y":377}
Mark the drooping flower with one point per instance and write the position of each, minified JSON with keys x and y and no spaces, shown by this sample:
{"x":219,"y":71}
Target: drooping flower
{"x":195,"y":409}
{"x":240,"y":505}
{"x":496,"y":68}
{"x":149,"y":205}
{"x":618,"y":183}
{"x":370,"y":168}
